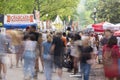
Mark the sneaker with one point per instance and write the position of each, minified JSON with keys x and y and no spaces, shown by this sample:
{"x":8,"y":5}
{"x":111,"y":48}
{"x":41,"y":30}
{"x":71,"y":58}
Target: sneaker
{"x":27,"y":78}
{"x":76,"y":75}
{"x":35,"y":76}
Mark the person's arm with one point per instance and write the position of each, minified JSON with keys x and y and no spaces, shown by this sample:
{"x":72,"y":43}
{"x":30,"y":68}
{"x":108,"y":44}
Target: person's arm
{"x":52,"y":48}
{"x":42,"y":50}
{"x":117,"y":51}
{"x":40,"y":40}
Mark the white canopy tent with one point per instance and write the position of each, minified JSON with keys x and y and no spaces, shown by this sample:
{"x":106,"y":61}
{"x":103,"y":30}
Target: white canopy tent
{"x":58,"y":24}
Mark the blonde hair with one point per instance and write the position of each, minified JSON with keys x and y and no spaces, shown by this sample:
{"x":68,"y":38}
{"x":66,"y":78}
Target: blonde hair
{"x":15,"y":36}
{"x":85,"y":40}
{"x":49,"y":37}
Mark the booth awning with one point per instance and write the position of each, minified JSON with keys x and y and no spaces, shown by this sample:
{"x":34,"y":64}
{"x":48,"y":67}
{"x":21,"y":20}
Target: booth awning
{"x":12,"y":21}
{"x":98,"y":27}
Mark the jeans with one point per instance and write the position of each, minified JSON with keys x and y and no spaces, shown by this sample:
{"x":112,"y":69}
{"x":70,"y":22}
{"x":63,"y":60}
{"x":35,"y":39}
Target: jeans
{"x":48,"y":69}
{"x":85,"y":68}
{"x":119,"y":65}
{"x":29,"y":63}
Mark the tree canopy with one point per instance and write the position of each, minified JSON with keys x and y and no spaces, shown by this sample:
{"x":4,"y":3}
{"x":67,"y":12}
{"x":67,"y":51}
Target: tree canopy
{"x":109,"y":10}
{"x":63,"y":8}
{"x":16,"y":6}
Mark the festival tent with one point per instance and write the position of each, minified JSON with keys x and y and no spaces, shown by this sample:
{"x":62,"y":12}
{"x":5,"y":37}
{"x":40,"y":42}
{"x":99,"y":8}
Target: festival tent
{"x":117,"y":26}
{"x":98,"y":27}
{"x":58,"y":23}
{"x":19,"y":21}
{"x":108,"y":25}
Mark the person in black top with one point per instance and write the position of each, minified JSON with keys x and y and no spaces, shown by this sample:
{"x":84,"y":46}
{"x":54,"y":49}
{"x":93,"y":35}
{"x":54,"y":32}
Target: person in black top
{"x":57,"y":49}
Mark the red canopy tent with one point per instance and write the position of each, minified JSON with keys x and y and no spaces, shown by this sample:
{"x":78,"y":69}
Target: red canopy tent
{"x":98,"y":27}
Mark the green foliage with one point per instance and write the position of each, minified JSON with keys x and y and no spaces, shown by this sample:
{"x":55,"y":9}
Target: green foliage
{"x":84,"y":15}
{"x":109,"y":10}
{"x":63,"y":8}
{"x":16,"y":6}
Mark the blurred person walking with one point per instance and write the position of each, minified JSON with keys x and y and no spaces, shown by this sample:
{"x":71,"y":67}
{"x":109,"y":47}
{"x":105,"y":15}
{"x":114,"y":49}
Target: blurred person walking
{"x":16,"y":42}
{"x":4,"y":49}
{"x":38,"y":38}
{"x":110,"y":59}
{"x":47,"y":58}
{"x":29,"y":56}
{"x":86,"y":61}
{"x":75,"y":51}
{"x":57,"y":49}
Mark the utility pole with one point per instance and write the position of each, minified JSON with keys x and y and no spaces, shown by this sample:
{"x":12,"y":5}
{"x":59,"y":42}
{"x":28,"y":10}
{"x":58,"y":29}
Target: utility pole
{"x":38,"y":3}
{"x":95,"y":15}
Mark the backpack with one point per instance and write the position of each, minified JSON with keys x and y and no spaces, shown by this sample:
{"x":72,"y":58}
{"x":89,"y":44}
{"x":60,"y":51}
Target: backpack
{"x":107,"y":58}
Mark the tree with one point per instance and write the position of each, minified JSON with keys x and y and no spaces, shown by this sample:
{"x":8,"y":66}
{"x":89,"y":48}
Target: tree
{"x":63,"y":8}
{"x":84,"y":12}
{"x":109,"y":10}
{"x":16,"y":6}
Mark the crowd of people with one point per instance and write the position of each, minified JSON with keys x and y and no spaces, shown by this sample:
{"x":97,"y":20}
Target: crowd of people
{"x":76,"y":51}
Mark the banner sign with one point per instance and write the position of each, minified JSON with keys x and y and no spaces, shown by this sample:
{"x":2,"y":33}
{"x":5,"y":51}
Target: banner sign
{"x":19,"y":19}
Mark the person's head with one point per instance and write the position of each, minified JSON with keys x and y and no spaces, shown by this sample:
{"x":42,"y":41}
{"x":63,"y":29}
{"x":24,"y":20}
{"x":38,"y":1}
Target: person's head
{"x":112,"y":41}
{"x":85,"y":41}
{"x":77,"y":37}
{"x":59,"y":34}
{"x":64,"y":34}
{"x":81,"y":33}
{"x":49,"y":38}
{"x":92,"y":35}
{"x":28,"y":29}
{"x":108,"y":33}
{"x":33,"y":28}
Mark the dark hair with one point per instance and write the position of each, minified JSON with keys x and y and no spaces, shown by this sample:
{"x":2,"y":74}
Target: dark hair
{"x":33,"y":27}
{"x":112,"y":41}
{"x":32,"y":37}
{"x":108,"y":30}
{"x":64,"y":34}
{"x":27,"y":28}
{"x":77,"y":37}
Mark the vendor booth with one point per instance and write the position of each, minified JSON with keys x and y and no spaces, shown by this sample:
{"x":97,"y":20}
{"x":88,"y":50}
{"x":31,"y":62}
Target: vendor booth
{"x":12,"y":21}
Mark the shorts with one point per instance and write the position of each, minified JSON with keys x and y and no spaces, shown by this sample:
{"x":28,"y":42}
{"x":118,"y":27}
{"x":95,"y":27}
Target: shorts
{"x":3,"y":59}
{"x":58,"y":61}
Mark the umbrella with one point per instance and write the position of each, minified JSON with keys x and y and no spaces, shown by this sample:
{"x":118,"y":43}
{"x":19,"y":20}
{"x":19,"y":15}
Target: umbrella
{"x":117,"y":33}
{"x":108,"y":25}
{"x":98,"y":27}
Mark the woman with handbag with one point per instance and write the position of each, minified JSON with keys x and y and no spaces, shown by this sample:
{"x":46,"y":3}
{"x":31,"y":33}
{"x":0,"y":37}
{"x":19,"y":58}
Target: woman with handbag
{"x":47,"y":58}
